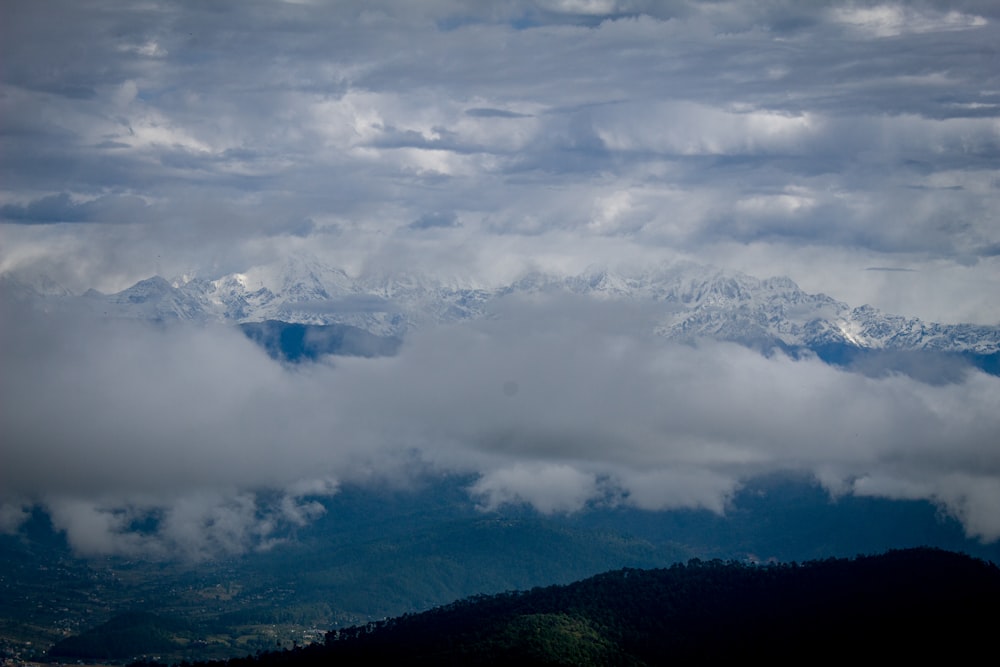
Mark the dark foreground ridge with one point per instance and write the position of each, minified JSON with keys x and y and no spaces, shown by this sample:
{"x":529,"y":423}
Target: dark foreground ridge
{"x":911,"y":603}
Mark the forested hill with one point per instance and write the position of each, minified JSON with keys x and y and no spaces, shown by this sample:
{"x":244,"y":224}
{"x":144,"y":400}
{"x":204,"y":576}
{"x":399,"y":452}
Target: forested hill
{"x":904,"y":604}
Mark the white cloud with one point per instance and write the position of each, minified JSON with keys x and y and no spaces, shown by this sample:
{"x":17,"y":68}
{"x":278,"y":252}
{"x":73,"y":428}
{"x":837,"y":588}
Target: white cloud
{"x":581,"y":6}
{"x":694,"y":129}
{"x":894,"y":19}
{"x":227,"y":449}
{"x":665,"y":489}
{"x":550,"y":488}
{"x":12,"y":515}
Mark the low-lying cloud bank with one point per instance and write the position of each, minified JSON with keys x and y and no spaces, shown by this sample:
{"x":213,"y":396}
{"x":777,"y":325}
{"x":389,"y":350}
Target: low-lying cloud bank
{"x":188,"y":440}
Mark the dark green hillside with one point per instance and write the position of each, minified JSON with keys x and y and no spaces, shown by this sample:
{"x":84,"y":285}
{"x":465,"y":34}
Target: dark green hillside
{"x":126,"y":636}
{"x":902,"y":605}
{"x":422,"y":568}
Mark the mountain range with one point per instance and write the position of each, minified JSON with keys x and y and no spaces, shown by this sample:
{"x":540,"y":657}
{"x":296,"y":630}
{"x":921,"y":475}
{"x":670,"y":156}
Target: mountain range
{"x":684,"y":302}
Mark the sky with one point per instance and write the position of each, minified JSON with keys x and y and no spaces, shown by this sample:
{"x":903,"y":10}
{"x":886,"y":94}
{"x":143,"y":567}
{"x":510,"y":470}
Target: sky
{"x":852,"y":146}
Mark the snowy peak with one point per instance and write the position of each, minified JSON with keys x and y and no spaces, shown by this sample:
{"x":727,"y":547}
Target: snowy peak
{"x":155,"y":298}
{"x":693,"y":302}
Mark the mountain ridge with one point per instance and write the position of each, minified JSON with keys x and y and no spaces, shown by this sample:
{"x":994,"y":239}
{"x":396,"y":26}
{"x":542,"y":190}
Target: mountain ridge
{"x":697,"y":612}
{"x":688,"y":302}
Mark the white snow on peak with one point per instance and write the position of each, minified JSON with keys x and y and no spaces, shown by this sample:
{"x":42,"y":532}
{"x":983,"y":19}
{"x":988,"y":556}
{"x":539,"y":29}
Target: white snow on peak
{"x":851,"y":331}
{"x":690,"y":301}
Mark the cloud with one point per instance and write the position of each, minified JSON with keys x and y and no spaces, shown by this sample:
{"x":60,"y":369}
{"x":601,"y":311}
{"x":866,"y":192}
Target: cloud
{"x":847,"y":128}
{"x":195,"y":526}
{"x":54,"y":208}
{"x":891,"y":20}
{"x":431,"y":220}
{"x":12,"y":515}
{"x":61,"y":208}
{"x":481,"y":112}
{"x":548,"y":487}
{"x":189,"y":440}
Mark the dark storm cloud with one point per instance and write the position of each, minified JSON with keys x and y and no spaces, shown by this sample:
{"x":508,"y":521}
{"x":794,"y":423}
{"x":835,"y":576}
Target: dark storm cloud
{"x":54,"y":208}
{"x":431,"y":220}
{"x":61,"y":208}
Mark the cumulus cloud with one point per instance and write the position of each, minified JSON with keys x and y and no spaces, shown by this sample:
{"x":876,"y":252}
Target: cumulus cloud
{"x":189,"y":440}
{"x":549,"y":487}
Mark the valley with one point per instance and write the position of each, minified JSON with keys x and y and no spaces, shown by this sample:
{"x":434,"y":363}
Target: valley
{"x":378,"y":555}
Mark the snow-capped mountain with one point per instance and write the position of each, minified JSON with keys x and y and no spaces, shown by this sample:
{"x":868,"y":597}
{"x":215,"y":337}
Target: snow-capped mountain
{"x":690,"y":302}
